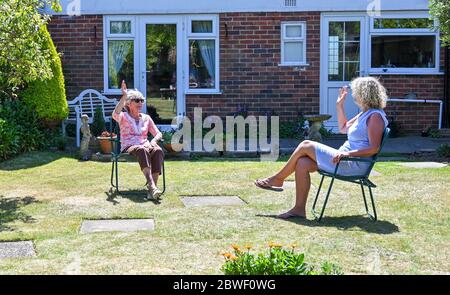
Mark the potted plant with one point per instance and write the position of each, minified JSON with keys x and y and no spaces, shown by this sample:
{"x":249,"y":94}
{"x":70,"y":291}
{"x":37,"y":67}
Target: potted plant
{"x":106,"y":141}
{"x":167,"y":141}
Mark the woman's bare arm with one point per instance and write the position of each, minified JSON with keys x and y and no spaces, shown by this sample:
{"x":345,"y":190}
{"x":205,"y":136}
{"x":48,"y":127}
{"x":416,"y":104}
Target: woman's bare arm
{"x":119,"y":107}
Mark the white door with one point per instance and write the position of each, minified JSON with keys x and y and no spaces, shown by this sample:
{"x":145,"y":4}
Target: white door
{"x":343,"y":57}
{"x":160,"y":62}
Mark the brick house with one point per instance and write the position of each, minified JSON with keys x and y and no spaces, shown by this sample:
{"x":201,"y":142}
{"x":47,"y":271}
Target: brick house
{"x":281,"y":56}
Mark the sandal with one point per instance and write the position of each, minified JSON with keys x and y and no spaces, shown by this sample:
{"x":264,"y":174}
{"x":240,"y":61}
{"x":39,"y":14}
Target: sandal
{"x":264,"y":185}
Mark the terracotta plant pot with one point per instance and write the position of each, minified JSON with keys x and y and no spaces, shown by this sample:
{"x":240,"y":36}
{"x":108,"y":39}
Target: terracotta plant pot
{"x":106,"y":145}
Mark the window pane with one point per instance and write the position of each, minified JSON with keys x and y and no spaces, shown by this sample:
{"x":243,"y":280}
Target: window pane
{"x":351,"y":70}
{"x":202,"y":64}
{"x":202,"y":26}
{"x":352,"y":31}
{"x":161,"y":66}
{"x":294,"y":31}
{"x":351,"y":51}
{"x":402,"y":23}
{"x":120,"y":27}
{"x":120,"y":63}
{"x":336,"y":29}
{"x":293,"y":51}
{"x":403,"y":51}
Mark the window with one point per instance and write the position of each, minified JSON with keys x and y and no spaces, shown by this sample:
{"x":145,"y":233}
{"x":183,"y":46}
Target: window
{"x":402,"y":45}
{"x":203,"y":55}
{"x":293,"y":43}
{"x":119,"y":53}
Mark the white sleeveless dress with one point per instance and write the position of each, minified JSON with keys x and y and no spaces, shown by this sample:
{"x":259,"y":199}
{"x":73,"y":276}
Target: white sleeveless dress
{"x":357,"y":138}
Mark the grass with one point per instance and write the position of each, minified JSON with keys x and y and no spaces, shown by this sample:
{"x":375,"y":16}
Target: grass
{"x":45,"y":196}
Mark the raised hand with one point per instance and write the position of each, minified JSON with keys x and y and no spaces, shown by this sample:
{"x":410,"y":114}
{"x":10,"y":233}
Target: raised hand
{"x":342,"y":95}
{"x":124,"y":88}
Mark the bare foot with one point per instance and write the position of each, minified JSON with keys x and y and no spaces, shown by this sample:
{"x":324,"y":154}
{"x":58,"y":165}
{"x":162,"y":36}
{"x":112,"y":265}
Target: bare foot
{"x":270,"y":181}
{"x":293,"y":213}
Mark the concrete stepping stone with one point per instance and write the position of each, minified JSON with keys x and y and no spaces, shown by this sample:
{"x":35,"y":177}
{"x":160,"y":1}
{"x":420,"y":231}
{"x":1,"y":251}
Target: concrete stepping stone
{"x":17,"y":249}
{"x":420,"y":165}
{"x":200,"y":201}
{"x":123,"y":225}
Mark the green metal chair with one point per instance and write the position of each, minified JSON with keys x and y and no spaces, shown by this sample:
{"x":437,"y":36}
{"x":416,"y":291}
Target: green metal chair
{"x":116,"y":154}
{"x":362,"y":180}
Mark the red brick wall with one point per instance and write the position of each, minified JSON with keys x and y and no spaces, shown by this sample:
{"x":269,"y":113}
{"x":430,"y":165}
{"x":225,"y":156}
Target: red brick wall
{"x":80,"y":40}
{"x":249,"y":71}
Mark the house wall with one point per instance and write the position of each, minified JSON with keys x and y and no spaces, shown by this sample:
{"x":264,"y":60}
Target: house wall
{"x":80,"y":41}
{"x":249,"y":71}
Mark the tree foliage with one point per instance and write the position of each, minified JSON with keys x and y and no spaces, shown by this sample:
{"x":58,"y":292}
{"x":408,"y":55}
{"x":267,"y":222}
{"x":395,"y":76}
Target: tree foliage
{"x":22,"y":58}
{"x":440,"y":10}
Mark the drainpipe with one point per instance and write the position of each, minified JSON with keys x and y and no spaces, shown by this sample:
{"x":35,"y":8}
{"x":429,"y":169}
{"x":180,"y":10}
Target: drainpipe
{"x":423,"y":101}
{"x":447,"y":88}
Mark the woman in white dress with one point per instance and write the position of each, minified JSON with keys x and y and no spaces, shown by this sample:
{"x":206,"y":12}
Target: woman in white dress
{"x":364,"y":133}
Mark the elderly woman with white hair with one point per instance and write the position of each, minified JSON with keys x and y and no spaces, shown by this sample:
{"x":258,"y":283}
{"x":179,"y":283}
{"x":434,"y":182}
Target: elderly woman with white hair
{"x":134,"y":129}
{"x":364,"y":133}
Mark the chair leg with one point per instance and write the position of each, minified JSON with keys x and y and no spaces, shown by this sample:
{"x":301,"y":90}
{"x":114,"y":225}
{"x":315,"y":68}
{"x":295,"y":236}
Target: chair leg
{"x":317,"y":216}
{"x":117,"y":176}
{"x":374,"y":216}
{"x":164,"y":178}
{"x":112,"y":173}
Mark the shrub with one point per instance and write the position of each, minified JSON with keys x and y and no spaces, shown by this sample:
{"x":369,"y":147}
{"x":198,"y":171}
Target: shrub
{"x":48,"y":97}
{"x":22,"y":57}
{"x":98,"y":122}
{"x":444,"y":150}
{"x":277,"y":261}
{"x":20,"y":129}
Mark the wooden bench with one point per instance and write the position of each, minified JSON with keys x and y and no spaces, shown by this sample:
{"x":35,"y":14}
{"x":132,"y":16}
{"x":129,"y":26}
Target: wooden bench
{"x":86,"y":103}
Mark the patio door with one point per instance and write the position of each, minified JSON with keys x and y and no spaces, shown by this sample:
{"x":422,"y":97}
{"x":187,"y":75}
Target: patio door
{"x":161,"y":68}
{"x":343,"y":57}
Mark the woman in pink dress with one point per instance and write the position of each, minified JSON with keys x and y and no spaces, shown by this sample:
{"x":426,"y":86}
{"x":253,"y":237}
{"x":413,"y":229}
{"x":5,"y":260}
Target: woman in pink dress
{"x":134,"y":129}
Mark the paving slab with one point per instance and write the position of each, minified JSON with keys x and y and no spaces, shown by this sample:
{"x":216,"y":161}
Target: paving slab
{"x":420,"y":165}
{"x":17,"y":249}
{"x":123,"y":225}
{"x":200,"y":201}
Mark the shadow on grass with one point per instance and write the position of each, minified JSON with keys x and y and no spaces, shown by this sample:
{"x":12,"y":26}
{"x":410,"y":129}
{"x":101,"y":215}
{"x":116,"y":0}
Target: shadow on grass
{"x":10,"y":211}
{"x":134,"y":195}
{"x":346,"y":222}
{"x":32,"y":159}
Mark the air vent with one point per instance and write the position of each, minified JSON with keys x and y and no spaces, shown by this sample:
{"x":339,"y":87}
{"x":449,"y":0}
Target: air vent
{"x":290,"y":3}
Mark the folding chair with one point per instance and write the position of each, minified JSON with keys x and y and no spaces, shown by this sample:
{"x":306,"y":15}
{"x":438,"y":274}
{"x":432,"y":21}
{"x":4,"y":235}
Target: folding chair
{"x":116,"y":154}
{"x":362,"y":180}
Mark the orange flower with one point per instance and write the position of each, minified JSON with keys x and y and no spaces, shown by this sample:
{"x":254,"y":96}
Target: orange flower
{"x":236,"y":248}
{"x":248,"y":247}
{"x":293,"y":246}
{"x":277,"y":245}
{"x":227,"y":255}
{"x":271,"y":244}
{"x":233,"y":258}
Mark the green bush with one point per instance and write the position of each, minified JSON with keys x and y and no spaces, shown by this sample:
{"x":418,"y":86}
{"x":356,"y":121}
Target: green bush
{"x":20,"y":129}
{"x":277,"y":261}
{"x":48,"y":97}
{"x":444,"y":150}
{"x":98,"y":122}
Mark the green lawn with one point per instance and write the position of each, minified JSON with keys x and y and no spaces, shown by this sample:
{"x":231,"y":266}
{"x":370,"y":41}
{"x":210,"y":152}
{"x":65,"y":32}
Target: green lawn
{"x":45,"y":196}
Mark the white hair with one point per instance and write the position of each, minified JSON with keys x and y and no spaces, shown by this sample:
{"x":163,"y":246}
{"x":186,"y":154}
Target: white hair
{"x":133,"y":94}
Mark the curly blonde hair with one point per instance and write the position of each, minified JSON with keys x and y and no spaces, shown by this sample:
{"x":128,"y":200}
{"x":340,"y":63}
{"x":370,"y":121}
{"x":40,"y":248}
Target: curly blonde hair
{"x":369,"y":92}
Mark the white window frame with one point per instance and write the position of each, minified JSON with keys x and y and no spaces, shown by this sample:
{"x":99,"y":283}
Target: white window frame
{"x":403,"y":32}
{"x":203,"y":36}
{"x":107,"y":36}
{"x":285,"y":39}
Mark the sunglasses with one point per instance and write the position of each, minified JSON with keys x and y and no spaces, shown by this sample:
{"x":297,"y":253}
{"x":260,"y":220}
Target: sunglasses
{"x":138,"y":100}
